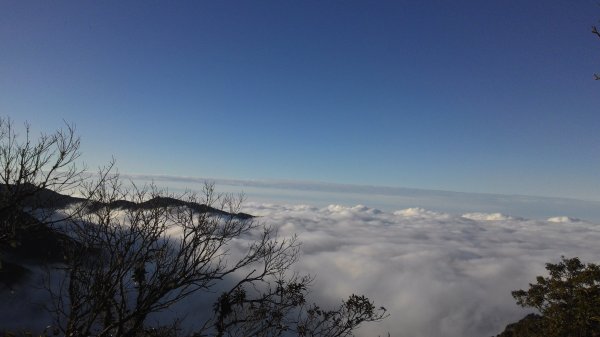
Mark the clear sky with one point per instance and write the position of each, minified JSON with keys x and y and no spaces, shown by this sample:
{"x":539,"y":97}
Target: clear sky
{"x":474,"y":96}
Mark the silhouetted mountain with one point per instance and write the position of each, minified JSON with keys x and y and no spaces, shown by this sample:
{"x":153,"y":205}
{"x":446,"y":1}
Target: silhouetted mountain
{"x":169,"y":202}
{"x":29,"y":195}
{"x":46,"y":198}
{"x":36,"y":243}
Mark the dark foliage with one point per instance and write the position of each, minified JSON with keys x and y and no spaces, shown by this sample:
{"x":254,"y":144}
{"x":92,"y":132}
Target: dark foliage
{"x":568,"y":299}
{"x":529,"y":326}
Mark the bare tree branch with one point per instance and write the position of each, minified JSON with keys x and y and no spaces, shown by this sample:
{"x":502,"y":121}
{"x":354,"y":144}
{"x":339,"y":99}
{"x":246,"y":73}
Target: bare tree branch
{"x":33,"y":173}
{"x":134,"y":251}
{"x":142,"y":259}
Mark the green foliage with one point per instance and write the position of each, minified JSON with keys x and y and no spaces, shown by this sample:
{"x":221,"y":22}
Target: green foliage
{"x":568,"y":299}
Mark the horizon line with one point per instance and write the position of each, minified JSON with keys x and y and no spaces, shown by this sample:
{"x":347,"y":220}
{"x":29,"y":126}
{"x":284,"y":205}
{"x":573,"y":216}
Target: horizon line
{"x":321,"y":186}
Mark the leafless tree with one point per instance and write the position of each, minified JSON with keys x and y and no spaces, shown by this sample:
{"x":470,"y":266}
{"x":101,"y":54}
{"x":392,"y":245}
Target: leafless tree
{"x":33,"y":171}
{"x":153,"y":251}
{"x":130,"y":252}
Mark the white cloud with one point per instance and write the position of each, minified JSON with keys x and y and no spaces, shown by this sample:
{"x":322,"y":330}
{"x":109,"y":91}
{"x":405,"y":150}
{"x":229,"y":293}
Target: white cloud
{"x":438,"y":274}
{"x":417,"y":212}
{"x":384,"y":197}
{"x":563,"y":219}
{"x":486,"y":216}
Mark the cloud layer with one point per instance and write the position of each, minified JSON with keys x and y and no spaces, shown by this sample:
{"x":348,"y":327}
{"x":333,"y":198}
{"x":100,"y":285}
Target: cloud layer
{"x":438,"y":274}
{"x":386,"y":198}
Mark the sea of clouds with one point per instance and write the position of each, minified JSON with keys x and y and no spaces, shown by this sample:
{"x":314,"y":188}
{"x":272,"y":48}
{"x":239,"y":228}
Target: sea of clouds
{"x":438,"y":274}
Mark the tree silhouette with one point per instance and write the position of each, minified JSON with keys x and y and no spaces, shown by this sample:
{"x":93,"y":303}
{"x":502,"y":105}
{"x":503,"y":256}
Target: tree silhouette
{"x":134,"y":251}
{"x":34,"y":171}
{"x":568,"y":300}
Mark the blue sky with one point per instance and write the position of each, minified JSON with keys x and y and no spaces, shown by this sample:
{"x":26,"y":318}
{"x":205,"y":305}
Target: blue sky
{"x":473,"y":96}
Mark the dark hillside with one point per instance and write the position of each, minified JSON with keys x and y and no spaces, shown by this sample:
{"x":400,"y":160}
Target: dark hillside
{"x":36,"y":243}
